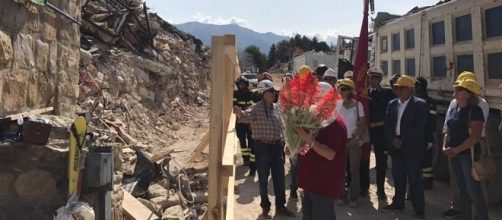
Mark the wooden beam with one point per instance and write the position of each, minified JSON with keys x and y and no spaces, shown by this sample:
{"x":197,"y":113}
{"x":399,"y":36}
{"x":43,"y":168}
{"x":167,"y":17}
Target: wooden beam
{"x":28,"y":113}
{"x":215,"y":202}
{"x":135,"y":210}
{"x":230,"y":203}
{"x":198,"y":150}
{"x":228,"y":162}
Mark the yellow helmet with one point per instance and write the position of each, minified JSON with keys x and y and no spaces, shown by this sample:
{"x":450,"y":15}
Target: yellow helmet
{"x":303,"y":70}
{"x":347,"y":82}
{"x":469,"y":84}
{"x":405,"y":81}
{"x":467,"y":75}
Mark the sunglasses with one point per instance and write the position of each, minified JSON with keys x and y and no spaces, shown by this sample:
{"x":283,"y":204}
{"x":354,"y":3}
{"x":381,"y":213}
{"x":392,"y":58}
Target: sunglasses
{"x":345,"y":89}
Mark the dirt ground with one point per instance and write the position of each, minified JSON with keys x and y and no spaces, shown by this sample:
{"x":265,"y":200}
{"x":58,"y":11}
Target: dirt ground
{"x":247,"y":204}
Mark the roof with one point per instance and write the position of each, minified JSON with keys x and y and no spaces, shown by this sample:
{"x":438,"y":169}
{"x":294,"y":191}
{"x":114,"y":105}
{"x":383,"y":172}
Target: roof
{"x":385,"y":17}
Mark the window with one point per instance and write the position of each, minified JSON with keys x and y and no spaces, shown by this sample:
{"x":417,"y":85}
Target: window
{"x":439,"y":66}
{"x":383,"y":44}
{"x":385,"y":67}
{"x":463,"y":28}
{"x":495,"y":65}
{"x":493,"y":16}
{"x":410,"y":67}
{"x":410,"y":39}
{"x":396,"y":44}
{"x":396,"y":67}
{"x":438,"y":33}
{"x":465,"y":63}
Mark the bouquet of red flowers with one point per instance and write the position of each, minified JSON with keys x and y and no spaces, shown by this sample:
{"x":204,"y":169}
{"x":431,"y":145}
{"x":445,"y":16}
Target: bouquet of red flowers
{"x":302,"y":107}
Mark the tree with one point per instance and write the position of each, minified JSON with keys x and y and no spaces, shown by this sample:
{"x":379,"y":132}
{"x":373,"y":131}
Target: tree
{"x":246,"y":61}
{"x":284,"y":50}
{"x":271,"y":59}
{"x":322,"y":46}
{"x":259,"y":59}
{"x":314,"y":43}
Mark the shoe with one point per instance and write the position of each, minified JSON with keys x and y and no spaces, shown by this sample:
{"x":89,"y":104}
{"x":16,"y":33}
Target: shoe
{"x":420,"y":215}
{"x":341,"y":202}
{"x":266,"y":213}
{"x":285,"y":212}
{"x":451,"y":214}
{"x":392,"y":208}
{"x":293,"y":195}
{"x":382,"y":196}
{"x":252,"y":173}
{"x":354,"y":204}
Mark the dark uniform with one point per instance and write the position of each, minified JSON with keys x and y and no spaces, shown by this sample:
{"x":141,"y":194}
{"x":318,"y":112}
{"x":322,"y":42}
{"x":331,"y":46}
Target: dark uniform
{"x":245,"y":98}
{"x":427,"y":170}
{"x":378,"y":102}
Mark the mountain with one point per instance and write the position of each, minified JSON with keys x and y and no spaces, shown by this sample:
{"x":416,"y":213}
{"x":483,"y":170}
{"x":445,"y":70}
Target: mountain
{"x":245,"y":36}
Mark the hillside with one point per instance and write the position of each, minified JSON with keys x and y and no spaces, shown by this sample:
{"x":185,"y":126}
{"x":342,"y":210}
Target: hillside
{"x":244,"y":35}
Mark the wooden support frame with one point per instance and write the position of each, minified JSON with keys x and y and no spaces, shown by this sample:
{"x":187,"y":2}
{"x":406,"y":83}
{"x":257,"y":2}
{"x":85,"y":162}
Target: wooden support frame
{"x":222,"y":142}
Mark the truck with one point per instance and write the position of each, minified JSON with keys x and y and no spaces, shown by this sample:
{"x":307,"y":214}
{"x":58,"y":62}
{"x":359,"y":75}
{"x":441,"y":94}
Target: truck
{"x":438,"y":43}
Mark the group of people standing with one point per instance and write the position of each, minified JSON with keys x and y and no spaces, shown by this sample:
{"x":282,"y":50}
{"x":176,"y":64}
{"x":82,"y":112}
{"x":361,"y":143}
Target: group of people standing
{"x":333,"y":167}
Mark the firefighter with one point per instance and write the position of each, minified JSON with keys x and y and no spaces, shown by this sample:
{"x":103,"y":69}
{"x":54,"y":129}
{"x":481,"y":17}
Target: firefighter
{"x":421,"y":92}
{"x":379,"y":98}
{"x":243,"y":98}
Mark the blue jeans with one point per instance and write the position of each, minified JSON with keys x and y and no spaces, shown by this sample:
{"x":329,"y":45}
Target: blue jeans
{"x":317,"y":207}
{"x":470,"y":189}
{"x":293,"y":171}
{"x":270,"y":159}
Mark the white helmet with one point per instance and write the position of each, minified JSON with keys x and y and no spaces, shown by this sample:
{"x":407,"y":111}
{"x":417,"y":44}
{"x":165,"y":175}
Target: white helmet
{"x":375,"y":71}
{"x":324,"y":89}
{"x":348,"y":74}
{"x":264,"y":86}
{"x":330,"y":73}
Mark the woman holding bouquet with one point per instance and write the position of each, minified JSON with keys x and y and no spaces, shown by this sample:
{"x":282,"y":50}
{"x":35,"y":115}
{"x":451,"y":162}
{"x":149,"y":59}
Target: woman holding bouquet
{"x":321,"y":169}
{"x":352,"y":113}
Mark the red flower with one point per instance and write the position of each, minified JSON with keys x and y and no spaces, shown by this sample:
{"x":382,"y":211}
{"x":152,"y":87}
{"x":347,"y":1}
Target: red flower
{"x":327,"y":104}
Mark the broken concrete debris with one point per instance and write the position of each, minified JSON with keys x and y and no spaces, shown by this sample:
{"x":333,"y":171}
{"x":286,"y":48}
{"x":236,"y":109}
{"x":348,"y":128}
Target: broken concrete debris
{"x":140,"y":80}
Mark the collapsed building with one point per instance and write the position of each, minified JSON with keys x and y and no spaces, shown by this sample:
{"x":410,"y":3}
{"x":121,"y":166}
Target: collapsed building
{"x":135,"y":77}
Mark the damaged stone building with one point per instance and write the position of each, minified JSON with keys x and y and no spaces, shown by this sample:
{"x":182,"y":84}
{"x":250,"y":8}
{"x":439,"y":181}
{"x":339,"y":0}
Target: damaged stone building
{"x":137,"y":77}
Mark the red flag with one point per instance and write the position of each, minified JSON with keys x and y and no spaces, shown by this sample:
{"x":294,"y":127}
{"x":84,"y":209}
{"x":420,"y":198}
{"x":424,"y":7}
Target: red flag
{"x":361,"y":64}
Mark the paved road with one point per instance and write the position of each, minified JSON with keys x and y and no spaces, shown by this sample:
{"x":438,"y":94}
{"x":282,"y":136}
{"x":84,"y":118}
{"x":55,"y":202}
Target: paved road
{"x":248,"y":200}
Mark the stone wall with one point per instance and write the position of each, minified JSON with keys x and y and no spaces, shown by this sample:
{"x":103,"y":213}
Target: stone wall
{"x":39,"y":56}
{"x":33,"y":180}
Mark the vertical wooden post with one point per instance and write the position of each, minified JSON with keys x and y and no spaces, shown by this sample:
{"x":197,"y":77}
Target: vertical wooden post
{"x":215,"y":203}
{"x":224,"y":71}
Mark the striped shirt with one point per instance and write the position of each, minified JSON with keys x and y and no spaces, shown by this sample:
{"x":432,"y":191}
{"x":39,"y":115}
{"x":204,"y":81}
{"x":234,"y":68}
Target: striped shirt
{"x":266,"y":122}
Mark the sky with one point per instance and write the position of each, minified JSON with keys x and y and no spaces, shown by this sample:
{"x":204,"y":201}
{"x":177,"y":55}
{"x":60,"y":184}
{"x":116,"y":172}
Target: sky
{"x":323,"y":18}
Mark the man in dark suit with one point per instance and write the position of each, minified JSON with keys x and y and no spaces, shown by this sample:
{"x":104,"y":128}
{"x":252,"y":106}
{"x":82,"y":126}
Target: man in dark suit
{"x":379,"y":98}
{"x":405,"y":123}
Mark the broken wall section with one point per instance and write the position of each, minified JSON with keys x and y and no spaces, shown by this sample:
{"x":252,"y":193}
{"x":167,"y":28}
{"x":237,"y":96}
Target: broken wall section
{"x":39,"y":56}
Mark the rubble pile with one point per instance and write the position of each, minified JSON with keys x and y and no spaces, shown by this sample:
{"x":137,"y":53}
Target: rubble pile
{"x":142,"y":80}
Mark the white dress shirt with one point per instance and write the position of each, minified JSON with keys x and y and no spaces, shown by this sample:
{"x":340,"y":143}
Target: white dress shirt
{"x":401,"y":108}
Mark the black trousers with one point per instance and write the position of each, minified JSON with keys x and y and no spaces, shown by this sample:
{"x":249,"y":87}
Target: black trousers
{"x":407,"y":169}
{"x":380,"y":145}
{"x":427,"y":170}
{"x":247,"y":144}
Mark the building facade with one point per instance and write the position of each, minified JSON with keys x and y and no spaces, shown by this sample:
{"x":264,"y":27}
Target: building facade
{"x":442,"y":41}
